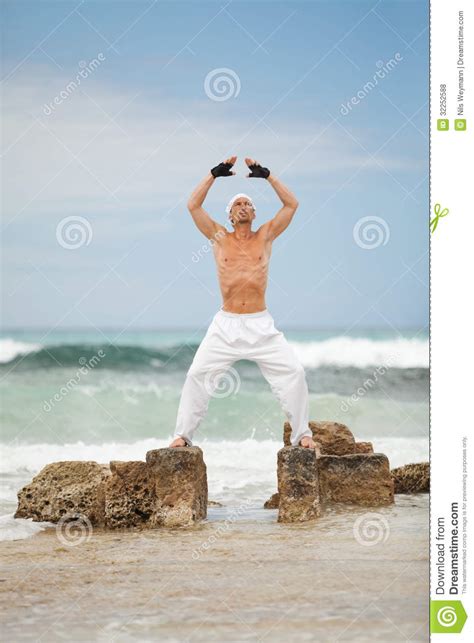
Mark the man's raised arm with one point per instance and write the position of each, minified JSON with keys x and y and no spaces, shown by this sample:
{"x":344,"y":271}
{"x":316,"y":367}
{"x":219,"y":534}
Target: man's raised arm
{"x":283,"y":217}
{"x":201,"y":218}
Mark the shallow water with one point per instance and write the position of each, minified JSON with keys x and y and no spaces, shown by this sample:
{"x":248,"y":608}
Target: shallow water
{"x":354,"y":574}
{"x":376,"y":382}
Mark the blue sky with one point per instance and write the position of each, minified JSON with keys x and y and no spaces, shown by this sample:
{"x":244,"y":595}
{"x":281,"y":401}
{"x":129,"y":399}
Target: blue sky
{"x":126,"y":146}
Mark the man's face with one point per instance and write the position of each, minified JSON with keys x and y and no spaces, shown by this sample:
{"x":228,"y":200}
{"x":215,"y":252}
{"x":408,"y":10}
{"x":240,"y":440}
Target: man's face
{"x":242,"y":211}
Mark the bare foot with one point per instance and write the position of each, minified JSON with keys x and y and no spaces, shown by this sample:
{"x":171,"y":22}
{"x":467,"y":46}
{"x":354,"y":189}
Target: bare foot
{"x":179,"y":442}
{"x":307,"y":443}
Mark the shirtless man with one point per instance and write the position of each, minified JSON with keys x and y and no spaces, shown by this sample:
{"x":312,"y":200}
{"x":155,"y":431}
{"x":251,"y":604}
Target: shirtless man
{"x":243,"y":328}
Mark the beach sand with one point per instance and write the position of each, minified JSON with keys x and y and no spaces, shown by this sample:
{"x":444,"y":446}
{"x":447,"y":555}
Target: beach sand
{"x":234,"y":578}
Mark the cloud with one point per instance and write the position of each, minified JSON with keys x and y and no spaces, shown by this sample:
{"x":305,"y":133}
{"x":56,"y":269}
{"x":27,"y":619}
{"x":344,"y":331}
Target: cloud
{"x":108,"y":152}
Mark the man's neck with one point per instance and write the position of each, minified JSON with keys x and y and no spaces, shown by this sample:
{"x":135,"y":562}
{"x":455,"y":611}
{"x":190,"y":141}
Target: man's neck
{"x":243,"y":231}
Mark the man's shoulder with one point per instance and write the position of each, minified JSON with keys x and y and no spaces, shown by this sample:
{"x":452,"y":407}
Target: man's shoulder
{"x":220,"y":233}
{"x":263,"y":230}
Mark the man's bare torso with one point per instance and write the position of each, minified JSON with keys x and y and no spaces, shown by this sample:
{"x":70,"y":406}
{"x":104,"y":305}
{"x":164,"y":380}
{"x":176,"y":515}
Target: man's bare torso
{"x":242,"y":256}
{"x":242,"y":270}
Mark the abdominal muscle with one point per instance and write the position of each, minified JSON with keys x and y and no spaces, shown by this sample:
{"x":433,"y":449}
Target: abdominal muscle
{"x":242,"y":270}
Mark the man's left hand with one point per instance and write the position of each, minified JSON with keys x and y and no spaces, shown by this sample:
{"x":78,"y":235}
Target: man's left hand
{"x":257,"y":171}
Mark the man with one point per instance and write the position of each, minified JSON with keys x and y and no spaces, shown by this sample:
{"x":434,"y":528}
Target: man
{"x":243,"y":328}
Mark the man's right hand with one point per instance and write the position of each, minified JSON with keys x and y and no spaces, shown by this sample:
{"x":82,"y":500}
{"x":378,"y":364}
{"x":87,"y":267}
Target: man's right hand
{"x":224,"y":168}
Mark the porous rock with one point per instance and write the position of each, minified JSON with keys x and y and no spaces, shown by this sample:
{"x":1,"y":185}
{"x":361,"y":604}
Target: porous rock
{"x":179,"y":481}
{"x":63,"y":489}
{"x":362,"y":479}
{"x":129,"y":495}
{"x":169,"y":489}
{"x":364,"y":447}
{"x":298,"y":486}
{"x":412,"y":478}
{"x":272,"y":502}
{"x":333,"y":438}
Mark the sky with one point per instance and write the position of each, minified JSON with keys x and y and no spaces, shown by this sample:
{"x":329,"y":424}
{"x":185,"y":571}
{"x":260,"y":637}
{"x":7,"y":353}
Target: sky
{"x":96,"y":172}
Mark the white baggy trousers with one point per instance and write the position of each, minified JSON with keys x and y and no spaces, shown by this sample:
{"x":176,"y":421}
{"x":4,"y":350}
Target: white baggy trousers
{"x":250,"y":336}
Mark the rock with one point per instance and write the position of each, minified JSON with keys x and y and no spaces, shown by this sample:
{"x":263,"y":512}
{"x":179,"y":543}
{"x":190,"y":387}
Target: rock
{"x":129,"y":495}
{"x":214,"y":503}
{"x":169,"y":489}
{"x":180,"y":486}
{"x":272,"y":502}
{"x":64,"y":489}
{"x":333,"y":438}
{"x":362,"y":479}
{"x":364,"y":447}
{"x":412,"y":478}
{"x":298,"y":486}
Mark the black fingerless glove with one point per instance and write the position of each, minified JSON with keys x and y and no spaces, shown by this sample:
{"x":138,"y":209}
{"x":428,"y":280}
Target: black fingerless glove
{"x":223,"y":169}
{"x":258,"y":172}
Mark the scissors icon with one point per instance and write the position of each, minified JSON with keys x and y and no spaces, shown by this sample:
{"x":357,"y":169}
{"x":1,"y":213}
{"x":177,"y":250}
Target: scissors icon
{"x":438,"y":214}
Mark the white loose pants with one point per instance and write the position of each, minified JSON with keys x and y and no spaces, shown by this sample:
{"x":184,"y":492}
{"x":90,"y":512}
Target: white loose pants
{"x":250,"y":336}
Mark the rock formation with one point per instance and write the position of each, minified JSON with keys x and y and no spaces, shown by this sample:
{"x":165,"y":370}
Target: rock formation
{"x":341,"y":470}
{"x":129,"y":497}
{"x":272,"y":502}
{"x":65,"y":488}
{"x":332,"y":438}
{"x":298,"y":485}
{"x":169,"y":489}
{"x":180,"y":486}
{"x":412,"y":478}
{"x":359,"y":478}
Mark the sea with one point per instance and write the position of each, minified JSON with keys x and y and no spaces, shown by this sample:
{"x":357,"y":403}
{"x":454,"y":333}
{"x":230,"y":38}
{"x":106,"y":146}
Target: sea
{"x":102,"y":395}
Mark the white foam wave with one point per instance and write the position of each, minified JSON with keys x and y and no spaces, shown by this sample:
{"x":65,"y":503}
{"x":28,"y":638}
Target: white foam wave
{"x":11,"y":348}
{"x":231,"y":463}
{"x":340,"y":351}
{"x":361,"y":353}
{"x":19,"y":528}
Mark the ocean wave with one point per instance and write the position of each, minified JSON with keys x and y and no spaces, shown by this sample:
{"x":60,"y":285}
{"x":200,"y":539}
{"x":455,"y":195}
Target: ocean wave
{"x":235,"y":461}
{"x":361,"y":353}
{"x":100,"y":356}
{"x":336,"y":351}
{"x":245,"y":456}
{"x":20,"y":528}
{"x":11,"y":349}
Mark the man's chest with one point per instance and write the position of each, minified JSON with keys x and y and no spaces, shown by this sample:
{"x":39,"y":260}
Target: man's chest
{"x":254,"y":252}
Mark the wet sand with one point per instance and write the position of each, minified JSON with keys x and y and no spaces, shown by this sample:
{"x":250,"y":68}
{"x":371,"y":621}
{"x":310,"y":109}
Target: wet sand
{"x":354,"y":575}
